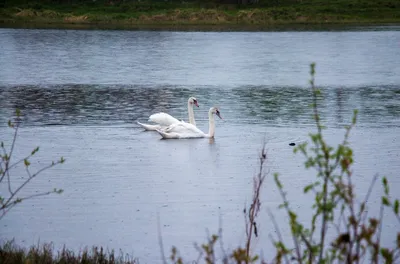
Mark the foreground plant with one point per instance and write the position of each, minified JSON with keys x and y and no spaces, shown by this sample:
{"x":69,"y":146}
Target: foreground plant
{"x":335,"y":207}
{"x":8,"y":192}
{"x":45,"y":254}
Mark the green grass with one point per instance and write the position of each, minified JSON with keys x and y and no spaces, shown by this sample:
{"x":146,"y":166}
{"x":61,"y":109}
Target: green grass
{"x":203,"y":13}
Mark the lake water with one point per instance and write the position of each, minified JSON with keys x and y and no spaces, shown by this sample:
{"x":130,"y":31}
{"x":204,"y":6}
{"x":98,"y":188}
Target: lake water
{"x":81,"y":93}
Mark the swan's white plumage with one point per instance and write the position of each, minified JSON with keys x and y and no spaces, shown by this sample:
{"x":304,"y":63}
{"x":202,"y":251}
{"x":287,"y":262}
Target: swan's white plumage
{"x":181,"y":128}
{"x":149,"y":127}
{"x":174,"y":135}
{"x":163,"y":120}
{"x":186,"y":130}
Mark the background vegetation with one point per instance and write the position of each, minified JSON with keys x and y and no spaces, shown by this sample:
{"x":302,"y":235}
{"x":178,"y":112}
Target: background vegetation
{"x":196,"y":12}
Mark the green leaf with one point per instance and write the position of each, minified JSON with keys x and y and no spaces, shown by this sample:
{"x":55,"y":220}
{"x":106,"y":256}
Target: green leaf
{"x":35,"y":150}
{"x":308,"y":188}
{"x":18,"y":112}
{"x":26,"y":162}
{"x":387,"y":255}
{"x":283,"y":205}
{"x":277,"y":182}
{"x":59,"y":191}
{"x":355,"y":116}
{"x":312,"y":68}
{"x":292,"y":215}
{"x":385,"y":201}
{"x":396,"y":206}
{"x":385,"y":185}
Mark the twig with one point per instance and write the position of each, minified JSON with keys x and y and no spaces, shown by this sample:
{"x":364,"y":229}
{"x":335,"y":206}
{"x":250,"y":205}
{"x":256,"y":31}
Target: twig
{"x":378,"y":243}
{"x":221,"y":243}
{"x":255,"y":205}
{"x":27,"y":181}
{"x":295,"y":240}
{"x":371,"y":186}
{"x":354,"y":223}
{"x":160,"y":241}
{"x":12,"y":204}
{"x":8,"y":160}
{"x":278,"y":232}
{"x":20,"y":161}
{"x":324,"y":217}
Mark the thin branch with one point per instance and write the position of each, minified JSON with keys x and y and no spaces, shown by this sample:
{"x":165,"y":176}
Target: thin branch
{"x":2,"y":170}
{"x":324,"y":218}
{"x":8,"y":206}
{"x":354,"y":223}
{"x":295,"y":240}
{"x":378,"y":243}
{"x":6,"y":210}
{"x":160,"y":241}
{"x":20,"y":161}
{"x":344,"y":143}
{"x":7,"y":163}
{"x":396,"y":255}
{"x":28,"y":180}
{"x":200,"y":253}
{"x":274,"y":243}
{"x":255,"y":205}
{"x":278,"y":232}
{"x":371,"y":186}
{"x":309,"y":247}
{"x":13,"y":142}
{"x":221,"y":243}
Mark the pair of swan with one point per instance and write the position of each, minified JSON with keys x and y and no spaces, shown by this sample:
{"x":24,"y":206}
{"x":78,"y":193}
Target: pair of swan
{"x":171,"y":128}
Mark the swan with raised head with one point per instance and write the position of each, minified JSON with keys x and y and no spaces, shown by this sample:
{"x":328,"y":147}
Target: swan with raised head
{"x":186,"y":130}
{"x":164,"y":120}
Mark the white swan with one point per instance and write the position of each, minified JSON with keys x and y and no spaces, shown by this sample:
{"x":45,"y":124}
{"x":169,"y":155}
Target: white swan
{"x":186,"y":130}
{"x":164,"y":119}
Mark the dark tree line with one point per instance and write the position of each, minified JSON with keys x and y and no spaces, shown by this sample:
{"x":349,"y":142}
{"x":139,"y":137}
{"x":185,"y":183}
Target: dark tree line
{"x":234,"y":2}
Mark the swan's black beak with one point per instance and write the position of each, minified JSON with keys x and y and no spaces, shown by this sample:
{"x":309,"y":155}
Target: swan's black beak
{"x":218,"y":114}
{"x":195,"y":103}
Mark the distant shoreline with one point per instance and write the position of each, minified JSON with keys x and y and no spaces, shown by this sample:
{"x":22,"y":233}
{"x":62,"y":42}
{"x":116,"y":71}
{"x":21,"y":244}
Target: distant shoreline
{"x":199,"y":15}
{"x":288,"y":26}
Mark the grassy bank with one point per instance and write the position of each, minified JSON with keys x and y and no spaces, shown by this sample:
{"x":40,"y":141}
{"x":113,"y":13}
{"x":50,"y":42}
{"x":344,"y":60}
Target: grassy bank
{"x":10,"y":253}
{"x":193,"y":13}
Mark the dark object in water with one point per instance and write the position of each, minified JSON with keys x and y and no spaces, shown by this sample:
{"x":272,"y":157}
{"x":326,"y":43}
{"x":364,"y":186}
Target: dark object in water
{"x":292,"y":144}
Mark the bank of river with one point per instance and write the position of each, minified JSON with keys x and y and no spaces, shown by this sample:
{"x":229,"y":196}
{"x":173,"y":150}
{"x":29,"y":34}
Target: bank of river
{"x":198,"y":16}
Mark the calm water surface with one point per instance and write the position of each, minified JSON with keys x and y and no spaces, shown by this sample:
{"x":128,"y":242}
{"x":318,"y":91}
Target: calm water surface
{"x":82,"y":91}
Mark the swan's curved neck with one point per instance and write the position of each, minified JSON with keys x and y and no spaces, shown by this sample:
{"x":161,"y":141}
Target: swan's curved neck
{"x":211,"y":125}
{"x":191,"y":114}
